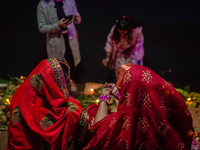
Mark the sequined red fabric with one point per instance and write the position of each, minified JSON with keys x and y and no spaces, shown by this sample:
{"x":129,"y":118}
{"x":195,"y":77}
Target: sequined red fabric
{"x":43,"y":114}
{"x":151,"y":115}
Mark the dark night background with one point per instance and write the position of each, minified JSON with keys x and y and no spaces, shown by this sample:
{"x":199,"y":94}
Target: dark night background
{"x":170,"y":28}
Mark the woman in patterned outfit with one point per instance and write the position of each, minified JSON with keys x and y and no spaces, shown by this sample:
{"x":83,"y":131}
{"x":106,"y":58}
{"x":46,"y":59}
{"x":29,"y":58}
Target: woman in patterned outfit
{"x":43,"y":114}
{"x":124,"y":44}
{"x":151,"y":115}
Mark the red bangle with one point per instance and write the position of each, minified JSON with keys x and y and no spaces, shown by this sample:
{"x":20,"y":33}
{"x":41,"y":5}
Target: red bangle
{"x":104,"y":98}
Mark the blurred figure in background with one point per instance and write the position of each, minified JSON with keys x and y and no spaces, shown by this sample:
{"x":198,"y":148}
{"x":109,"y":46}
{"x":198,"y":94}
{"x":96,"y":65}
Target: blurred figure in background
{"x":124,"y":44}
{"x":62,"y":37}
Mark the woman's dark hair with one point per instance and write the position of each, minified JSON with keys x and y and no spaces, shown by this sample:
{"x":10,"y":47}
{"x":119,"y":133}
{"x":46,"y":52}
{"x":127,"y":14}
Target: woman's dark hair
{"x":124,"y":23}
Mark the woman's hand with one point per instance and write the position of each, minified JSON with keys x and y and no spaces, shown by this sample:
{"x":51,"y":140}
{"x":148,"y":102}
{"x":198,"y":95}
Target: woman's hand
{"x":114,"y":89}
{"x":109,"y":85}
{"x":63,"y":23}
{"x":105,"y":61}
{"x":106,"y":91}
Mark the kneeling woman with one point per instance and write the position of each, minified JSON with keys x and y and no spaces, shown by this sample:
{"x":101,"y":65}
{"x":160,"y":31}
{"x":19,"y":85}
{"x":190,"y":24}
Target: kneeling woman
{"x":151,"y":114}
{"x":43,"y":114}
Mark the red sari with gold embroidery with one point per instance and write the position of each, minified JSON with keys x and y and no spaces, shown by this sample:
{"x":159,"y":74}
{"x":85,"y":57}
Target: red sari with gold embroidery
{"x":43,"y":114}
{"x":151,"y":115}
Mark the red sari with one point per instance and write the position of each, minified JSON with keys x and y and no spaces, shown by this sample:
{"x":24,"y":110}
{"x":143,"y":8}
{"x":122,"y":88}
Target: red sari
{"x":151,"y":115}
{"x":43,"y":114}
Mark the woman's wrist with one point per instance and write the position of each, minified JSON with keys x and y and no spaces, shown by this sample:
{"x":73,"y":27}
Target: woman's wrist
{"x":108,"y":55}
{"x":115,"y":92}
{"x":117,"y":95}
{"x":104,"y":98}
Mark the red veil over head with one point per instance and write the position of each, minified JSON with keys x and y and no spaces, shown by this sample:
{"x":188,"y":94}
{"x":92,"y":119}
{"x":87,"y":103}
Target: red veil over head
{"x":43,"y":114}
{"x":151,"y":115}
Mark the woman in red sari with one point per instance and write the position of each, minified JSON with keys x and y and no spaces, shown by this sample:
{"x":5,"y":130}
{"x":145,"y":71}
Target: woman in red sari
{"x":151,"y":114}
{"x":43,"y":114}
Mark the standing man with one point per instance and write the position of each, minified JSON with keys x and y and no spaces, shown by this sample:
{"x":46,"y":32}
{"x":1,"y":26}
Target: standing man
{"x":61,"y":34}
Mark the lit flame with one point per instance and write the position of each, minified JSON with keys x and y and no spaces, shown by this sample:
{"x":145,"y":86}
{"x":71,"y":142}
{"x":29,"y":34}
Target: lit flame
{"x":7,"y":101}
{"x":22,"y":78}
{"x":97,"y":100}
{"x":91,"y":89}
{"x":189,"y":101}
